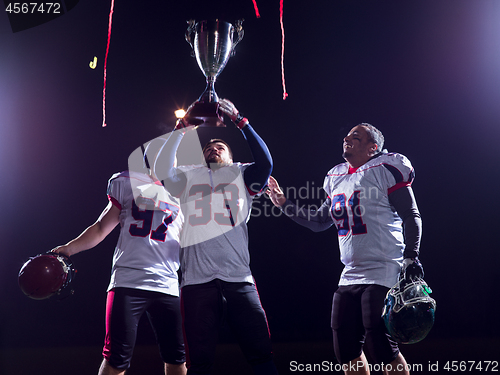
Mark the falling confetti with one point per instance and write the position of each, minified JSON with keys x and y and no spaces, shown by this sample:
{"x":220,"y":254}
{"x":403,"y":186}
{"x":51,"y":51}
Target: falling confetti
{"x":282,"y":51}
{"x":93,"y":63}
{"x":105,"y":63}
{"x":256,"y":9}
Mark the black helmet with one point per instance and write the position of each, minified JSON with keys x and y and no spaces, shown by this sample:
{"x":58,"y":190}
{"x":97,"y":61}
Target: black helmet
{"x":45,"y":275}
{"x":409,"y":311}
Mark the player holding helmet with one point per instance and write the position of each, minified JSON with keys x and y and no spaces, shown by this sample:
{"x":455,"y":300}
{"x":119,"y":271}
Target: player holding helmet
{"x":144,"y":273}
{"x":370,"y":201}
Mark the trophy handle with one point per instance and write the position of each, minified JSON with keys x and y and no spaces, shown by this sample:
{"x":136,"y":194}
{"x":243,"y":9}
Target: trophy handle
{"x":188,"y":35}
{"x":238,"y":28}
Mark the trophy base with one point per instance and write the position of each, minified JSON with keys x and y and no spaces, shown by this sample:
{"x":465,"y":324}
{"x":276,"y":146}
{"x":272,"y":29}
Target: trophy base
{"x":207,"y":113}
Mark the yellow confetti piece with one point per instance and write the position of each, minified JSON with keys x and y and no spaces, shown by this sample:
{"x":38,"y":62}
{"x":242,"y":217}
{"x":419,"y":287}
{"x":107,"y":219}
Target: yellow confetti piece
{"x":93,"y":64}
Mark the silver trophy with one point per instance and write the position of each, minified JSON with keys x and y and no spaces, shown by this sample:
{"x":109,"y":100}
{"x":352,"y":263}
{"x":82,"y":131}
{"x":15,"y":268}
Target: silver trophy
{"x":213,"y":43}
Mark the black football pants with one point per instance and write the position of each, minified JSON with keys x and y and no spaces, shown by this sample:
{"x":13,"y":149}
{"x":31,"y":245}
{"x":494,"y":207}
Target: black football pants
{"x":207,"y":306}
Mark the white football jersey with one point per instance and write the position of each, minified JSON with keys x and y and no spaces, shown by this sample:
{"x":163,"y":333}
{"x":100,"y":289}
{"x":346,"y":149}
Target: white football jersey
{"x":214,"y":240}
{"x":147,"y":253}
{"x":214,"y":201}
{"x":370,"y":231}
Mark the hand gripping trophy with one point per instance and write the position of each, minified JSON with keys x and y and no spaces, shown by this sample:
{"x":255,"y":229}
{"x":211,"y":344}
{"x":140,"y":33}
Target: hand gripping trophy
{"x":213,"y":43}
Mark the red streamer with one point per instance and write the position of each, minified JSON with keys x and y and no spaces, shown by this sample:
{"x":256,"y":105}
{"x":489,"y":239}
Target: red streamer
{"x":256,"y":9}
{"x":105,"y":64}
{"x":282,"y":51}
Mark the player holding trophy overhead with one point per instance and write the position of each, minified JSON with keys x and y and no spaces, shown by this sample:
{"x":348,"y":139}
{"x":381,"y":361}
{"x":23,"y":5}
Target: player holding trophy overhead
{"x":217,"y":283}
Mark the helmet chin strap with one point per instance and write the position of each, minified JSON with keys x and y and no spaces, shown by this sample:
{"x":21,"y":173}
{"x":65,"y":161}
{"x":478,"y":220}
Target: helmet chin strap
{"x":68,"y":268}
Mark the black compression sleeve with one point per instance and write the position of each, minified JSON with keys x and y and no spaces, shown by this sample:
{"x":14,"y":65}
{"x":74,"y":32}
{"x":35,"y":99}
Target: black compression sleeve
{"x":404,"y":202}
{"x":316,"y":220}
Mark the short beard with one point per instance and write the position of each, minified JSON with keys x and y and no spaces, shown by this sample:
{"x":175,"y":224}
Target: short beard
{"x":216,"y":162}
{"x":213,"y":159}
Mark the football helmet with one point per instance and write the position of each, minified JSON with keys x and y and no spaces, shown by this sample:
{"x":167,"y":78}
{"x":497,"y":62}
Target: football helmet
{"x":409,"y":311}
{"x":45,"y":275}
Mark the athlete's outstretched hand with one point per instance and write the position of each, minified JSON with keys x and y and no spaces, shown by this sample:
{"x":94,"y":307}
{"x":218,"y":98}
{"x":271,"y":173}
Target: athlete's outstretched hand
{"x":61,"y":250}
{"x":229,"y":109}
{"x":188,"y":122}
{"x":275,"y":193}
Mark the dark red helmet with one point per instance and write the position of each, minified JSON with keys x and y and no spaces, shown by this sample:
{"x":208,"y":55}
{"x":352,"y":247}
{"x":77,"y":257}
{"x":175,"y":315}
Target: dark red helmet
{"x":45,"y":275}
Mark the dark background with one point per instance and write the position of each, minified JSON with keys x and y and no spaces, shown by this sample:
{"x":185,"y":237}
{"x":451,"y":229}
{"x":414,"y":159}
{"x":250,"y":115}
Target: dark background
{"x":427,"y":73}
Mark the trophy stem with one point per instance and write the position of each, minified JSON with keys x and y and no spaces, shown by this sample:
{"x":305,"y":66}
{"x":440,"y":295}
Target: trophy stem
{"x":209,"y":95}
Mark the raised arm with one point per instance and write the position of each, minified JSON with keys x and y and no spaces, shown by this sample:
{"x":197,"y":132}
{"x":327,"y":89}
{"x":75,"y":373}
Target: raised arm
{"x":94,"y":234}
{"x":316,"y":220}
{"x":165,"y":160}
{"x":164,"y":165}
{"x":257,"y":174}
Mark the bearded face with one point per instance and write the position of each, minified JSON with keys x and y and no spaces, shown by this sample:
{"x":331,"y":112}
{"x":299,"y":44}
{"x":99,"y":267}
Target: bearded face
{"x":217,"y":153}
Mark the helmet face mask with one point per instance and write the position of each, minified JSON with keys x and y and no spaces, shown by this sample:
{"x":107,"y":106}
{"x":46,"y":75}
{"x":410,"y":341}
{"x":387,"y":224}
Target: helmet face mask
{"x":409,"y":311}
{"x":45,"y":275}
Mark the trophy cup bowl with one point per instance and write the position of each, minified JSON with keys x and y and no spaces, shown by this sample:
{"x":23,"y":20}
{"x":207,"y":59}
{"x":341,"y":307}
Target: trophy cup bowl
{"x":213,"y":43}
